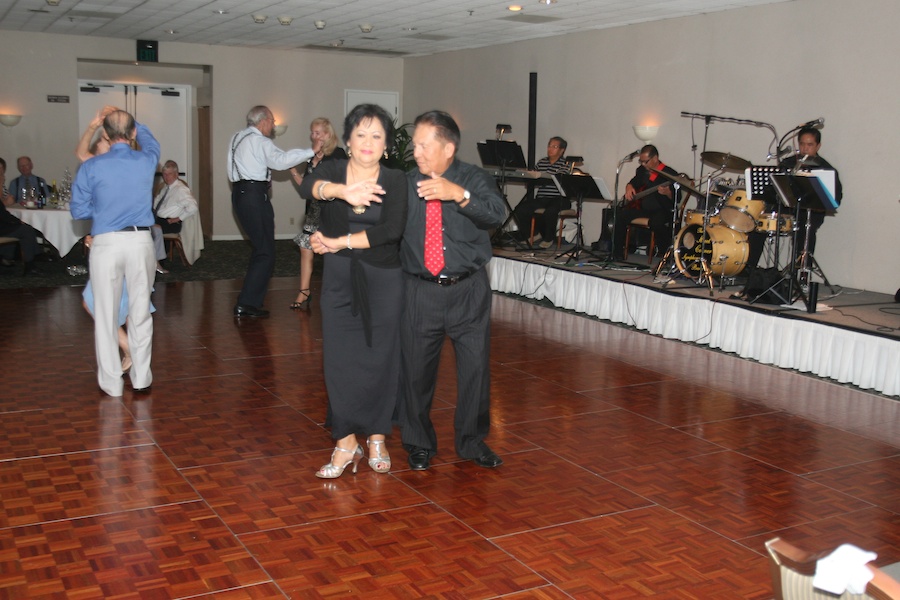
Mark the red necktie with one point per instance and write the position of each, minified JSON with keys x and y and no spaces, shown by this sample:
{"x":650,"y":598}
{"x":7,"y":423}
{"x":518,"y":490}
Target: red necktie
{"x":434,"y":237}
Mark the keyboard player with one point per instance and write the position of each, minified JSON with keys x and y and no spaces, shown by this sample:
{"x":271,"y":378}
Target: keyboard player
{"x":547,"y":196}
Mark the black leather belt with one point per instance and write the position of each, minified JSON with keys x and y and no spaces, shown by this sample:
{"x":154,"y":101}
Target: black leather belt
{"x":135,"y":228}
{"x":445,"y":279}
{"x":252,"y":181}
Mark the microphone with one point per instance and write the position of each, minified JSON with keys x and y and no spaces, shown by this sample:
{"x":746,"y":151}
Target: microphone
{"x":799,"y":164}
{"x":782,"y":155}
{"x":816,"y":124}
{"x":633,"y":155}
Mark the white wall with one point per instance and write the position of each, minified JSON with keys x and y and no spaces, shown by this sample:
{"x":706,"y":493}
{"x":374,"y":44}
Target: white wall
{"x":297,"y":85}
{"x":784,"y":64}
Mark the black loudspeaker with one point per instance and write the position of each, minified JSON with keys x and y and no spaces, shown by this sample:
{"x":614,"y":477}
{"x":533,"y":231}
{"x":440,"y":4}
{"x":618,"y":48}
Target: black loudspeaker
{"x":761,"y":280}
{"x":897,"y":296}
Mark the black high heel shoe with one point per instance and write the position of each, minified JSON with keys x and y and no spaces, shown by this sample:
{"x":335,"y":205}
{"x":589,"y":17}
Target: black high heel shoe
{"x":305,"y":305}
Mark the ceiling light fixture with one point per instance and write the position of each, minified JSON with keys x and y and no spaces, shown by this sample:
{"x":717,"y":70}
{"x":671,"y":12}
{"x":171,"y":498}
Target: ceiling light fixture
{"x":220,"y":12}
{"x":285,"y":20}
{"x":366,"y":28}
{"x":337,"y":44}
{"x":259,"y":19}
{"x":53,"y":2}
{"x":547,"y":2}
{"x":514,"y":7}
{"x":320,"y":24}
{"x":171,"y":31}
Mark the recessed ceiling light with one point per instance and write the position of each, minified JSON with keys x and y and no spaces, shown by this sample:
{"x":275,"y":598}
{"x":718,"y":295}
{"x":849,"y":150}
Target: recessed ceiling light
{"x":259,"y":19}
{"x":547,"y":2}
{"x":285,"y":20}
{"x":514,"y":7}
{"x":409,"y":29}
{"x":171,"y":31}
{"x":220,"y":12}
{"x":366,"y":28}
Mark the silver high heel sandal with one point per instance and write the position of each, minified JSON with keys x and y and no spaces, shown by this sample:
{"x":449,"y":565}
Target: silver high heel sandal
{"x":333,"y":471}
{"x":378,"y":462}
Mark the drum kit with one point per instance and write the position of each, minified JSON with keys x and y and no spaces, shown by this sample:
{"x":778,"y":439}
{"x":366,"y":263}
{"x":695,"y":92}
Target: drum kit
{"x":713,"y":240}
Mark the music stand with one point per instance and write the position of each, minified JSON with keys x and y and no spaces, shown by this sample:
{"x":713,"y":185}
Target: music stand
{"x":503,"y":155}
{"x":798,"y":191}
{"x":813,"y":195}
{"x":580,"y":187}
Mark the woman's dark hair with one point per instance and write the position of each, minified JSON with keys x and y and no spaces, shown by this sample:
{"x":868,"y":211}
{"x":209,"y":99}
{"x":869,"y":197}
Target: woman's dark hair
{"x":362,"y":112}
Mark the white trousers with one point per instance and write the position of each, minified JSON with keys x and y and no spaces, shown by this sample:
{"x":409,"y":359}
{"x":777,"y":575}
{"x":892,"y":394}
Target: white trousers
{"x":114,"y":257}
{"x":159,"y":244}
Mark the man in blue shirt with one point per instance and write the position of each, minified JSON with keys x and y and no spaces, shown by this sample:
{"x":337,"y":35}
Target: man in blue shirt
{"x":115,"y":190}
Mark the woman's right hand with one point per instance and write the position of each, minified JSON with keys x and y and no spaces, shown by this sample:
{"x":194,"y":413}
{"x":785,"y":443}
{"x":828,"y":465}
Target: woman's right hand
{"x":362,"y":193}
{"x":296,"y":176}
{"x":324,"y":245}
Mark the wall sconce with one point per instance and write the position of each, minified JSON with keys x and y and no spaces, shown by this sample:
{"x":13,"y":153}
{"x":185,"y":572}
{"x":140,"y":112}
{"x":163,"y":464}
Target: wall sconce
{"x":320,"y":24}
{"x":259,"y":19}
{"x":366,"y":28}
{"x":10,"y":120}
{"x":280,"y":129}
{"x":645,"y":133}
{"x":285,"y":20}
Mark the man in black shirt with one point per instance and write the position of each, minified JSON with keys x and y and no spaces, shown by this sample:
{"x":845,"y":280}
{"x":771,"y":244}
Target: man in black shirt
{"x":809,"y":140}
{"x":445,"y":248}
{"x":649,"y":195}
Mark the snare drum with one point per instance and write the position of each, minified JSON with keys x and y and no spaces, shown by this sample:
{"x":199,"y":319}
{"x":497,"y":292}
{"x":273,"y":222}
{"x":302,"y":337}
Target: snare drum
{"x":695,"y":217}
{"x":770,"y":223}
{"x":740,"y":213}
{"x":725,"y":250}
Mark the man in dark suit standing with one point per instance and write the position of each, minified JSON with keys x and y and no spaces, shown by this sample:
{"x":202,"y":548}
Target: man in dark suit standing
{"x":444,"y":251}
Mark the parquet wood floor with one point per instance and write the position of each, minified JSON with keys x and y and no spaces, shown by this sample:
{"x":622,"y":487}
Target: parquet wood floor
{"x":635,"y":466}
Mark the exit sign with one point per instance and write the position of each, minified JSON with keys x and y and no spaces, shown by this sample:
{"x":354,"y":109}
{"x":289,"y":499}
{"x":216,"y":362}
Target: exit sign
{"x":148,"y":51}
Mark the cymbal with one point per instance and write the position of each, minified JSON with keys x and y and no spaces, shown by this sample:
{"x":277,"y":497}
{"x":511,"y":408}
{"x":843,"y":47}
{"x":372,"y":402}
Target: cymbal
{"x":725,"y":161}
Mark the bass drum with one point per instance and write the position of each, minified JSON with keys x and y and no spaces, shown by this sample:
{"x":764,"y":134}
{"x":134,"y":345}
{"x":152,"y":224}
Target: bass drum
{"x":725,"y":250}
{"x":740,"y":213}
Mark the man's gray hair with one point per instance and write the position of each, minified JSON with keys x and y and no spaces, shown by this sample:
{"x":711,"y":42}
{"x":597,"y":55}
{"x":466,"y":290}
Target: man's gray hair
{"x":170,"y":165}
{"x":257,"y":114}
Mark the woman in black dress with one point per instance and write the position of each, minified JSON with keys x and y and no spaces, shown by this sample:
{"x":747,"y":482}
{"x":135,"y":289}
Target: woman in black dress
{"x":363,"y":214}
{"x":325,"y":145}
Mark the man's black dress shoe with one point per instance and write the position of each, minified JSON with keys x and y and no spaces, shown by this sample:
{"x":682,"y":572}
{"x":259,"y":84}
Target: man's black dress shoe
{"x":488,"y":460}
{"x":419,"y":459}
{"x":245,"y":310}
{"x":145,"y":390}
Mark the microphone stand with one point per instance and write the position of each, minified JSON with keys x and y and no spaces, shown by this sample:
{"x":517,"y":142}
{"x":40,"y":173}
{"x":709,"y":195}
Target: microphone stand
{"x":615,"y":204}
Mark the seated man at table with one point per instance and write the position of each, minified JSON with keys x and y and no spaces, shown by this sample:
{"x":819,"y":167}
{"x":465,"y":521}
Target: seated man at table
{"x":11,"y":226}
{"x":173,"y":204}
{"x":21,"y":187}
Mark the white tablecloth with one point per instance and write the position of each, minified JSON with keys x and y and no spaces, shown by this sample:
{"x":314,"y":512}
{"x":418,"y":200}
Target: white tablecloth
{"x":57,"y":226}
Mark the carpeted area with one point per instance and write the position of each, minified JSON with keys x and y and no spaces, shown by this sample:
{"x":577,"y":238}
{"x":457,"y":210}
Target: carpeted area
{"x":219,"y":260}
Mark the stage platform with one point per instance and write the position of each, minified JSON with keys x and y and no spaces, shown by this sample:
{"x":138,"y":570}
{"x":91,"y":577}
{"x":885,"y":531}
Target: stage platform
{"x":852,"y":338}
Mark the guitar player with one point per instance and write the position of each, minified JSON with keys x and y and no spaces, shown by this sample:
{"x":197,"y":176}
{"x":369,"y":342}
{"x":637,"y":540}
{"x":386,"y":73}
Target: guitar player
{"x":650,"y":195}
